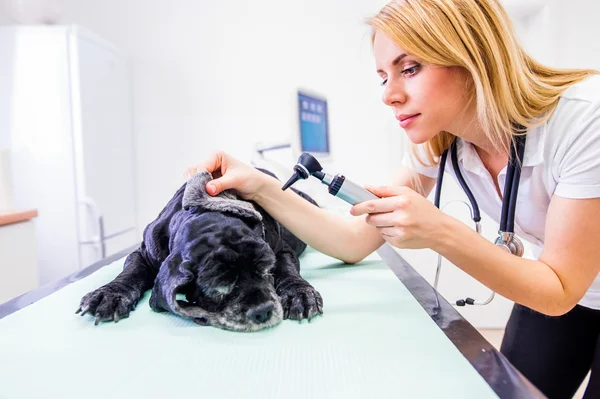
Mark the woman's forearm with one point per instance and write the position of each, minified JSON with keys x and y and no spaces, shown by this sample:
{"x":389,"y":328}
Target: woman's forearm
{"x":348,"y":240}
{"x":528,"y":282}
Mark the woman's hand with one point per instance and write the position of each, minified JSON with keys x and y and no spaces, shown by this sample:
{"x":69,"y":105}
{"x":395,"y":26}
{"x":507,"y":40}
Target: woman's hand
{"x":404,"y":218}
{"x":229,"y":173}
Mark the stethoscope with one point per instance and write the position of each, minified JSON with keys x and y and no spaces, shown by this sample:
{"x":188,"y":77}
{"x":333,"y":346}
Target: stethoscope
{"x":506,"y":233}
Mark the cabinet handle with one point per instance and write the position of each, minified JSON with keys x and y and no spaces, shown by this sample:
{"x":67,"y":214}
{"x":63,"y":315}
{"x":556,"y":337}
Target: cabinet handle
{"x":98,"y":237}
{"x":102,"y":237}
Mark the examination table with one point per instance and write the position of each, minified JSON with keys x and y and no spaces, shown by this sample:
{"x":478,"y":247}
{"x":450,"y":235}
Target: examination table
{"x":382,"y":335}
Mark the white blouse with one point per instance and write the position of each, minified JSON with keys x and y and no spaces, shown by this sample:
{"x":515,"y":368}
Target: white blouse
{"x":561,"y":157}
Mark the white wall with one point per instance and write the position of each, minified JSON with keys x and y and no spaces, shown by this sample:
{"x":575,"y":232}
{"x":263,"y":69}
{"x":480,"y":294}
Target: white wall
{"x":4,"y":13}
{"x":577,"y":21}
{"x":212,"y":75}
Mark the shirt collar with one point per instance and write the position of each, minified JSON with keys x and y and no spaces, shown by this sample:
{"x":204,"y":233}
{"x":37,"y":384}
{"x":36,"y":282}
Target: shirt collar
{"x":534,"y":151}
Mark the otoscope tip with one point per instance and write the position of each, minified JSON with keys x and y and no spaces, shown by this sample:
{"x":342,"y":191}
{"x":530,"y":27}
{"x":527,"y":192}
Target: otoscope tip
{"x":295,"y":177}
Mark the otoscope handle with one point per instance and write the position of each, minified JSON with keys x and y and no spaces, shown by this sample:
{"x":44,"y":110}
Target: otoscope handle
{"x":349,"y":191}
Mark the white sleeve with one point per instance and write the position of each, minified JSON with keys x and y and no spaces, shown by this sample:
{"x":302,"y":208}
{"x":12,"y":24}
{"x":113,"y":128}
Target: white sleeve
{"x":579,"y":163}
{"x":411,"y":162}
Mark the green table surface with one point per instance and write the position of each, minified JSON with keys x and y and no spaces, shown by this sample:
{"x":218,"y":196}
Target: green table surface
{"x":373,"y":341}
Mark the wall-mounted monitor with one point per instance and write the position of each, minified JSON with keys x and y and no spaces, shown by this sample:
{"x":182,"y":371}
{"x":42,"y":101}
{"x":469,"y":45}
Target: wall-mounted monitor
{"x":313,"y":124}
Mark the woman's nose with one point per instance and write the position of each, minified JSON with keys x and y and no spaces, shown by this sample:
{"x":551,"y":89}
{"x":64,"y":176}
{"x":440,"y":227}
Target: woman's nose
{"x":393,"y":94}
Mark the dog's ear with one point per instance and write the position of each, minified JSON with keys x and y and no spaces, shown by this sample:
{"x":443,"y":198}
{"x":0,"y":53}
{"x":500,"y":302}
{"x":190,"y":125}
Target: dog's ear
{"x":172,"y":278}
{"x":195,"y":195}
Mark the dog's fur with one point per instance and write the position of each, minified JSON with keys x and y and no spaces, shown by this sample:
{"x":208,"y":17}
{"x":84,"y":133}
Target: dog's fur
{"x":237,"y":267}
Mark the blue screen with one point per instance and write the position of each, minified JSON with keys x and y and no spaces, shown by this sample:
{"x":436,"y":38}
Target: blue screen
{"x":314,"y":131}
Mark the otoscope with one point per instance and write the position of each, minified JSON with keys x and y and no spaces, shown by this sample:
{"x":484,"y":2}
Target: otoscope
{"x":338,"y":185}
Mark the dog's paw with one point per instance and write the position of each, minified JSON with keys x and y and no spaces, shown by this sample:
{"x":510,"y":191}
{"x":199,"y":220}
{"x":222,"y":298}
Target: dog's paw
{"x":113,"y":301}
{"x":301,"y":301}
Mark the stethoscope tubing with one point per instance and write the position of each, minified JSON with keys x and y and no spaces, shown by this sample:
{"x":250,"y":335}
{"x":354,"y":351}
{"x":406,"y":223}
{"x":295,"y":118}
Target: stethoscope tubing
{"x":511,"y":186}
{"x":509,"y":199}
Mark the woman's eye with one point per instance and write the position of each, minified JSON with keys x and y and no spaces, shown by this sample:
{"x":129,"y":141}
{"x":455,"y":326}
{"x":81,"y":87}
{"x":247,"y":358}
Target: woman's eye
{"x":383,"y":83}
{"x":411,"y":71}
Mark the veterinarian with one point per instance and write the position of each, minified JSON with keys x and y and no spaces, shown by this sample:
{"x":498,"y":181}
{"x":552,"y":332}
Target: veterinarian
{"x":453,"y":72}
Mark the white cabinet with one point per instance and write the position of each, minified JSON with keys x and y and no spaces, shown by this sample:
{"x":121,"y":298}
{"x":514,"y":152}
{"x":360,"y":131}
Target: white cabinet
{"x":66,"y":112}
{"x":18,"y":265}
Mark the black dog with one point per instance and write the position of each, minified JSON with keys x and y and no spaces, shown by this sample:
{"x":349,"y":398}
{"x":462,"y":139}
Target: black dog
{"x":237,"y":267}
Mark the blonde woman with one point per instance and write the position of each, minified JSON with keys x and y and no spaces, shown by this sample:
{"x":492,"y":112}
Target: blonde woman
{"x":452,"y":70}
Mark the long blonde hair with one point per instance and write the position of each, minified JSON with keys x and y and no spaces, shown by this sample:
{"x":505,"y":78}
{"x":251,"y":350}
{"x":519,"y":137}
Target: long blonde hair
{"x":510,"y":87}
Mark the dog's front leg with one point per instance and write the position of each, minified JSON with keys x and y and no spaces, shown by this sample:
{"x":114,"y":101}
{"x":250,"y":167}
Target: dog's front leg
{"x":298,"y":298}
{"x":116,"y":299}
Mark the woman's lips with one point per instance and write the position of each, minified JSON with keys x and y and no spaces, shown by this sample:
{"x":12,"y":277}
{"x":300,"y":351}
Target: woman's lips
{"x":406,"y":120}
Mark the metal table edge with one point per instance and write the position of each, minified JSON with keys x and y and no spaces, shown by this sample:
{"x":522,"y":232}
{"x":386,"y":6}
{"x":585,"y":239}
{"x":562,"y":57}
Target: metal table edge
{"x":35,"y":295}
{"x":505,"y":380}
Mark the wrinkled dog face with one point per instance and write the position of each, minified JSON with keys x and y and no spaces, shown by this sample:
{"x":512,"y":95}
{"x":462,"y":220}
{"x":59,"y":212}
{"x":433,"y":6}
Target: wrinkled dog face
{"x":233,"y":287}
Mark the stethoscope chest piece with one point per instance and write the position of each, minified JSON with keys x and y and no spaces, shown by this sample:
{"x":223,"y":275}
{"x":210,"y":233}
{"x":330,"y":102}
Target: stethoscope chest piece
{"x":510,"y":243}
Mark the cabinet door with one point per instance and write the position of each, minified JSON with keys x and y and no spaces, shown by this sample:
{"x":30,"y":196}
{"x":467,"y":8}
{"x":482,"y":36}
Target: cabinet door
{"x":104,"y":139}
{"x":35,"y":121}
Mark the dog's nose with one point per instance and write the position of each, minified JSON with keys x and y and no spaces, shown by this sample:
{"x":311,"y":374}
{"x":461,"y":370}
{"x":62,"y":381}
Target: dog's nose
{"x":262,"y":313}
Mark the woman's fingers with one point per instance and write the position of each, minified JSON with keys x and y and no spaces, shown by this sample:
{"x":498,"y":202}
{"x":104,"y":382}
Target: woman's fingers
{"x":377,"y":206}
{"x":398,"y":234}
{"x":381,"y":219}
{"x":388,"y":191}
{"x":216,"y":162}
{"x":189,"y":172}
{"x":223,"y":183}
{"x":213,"y":164}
